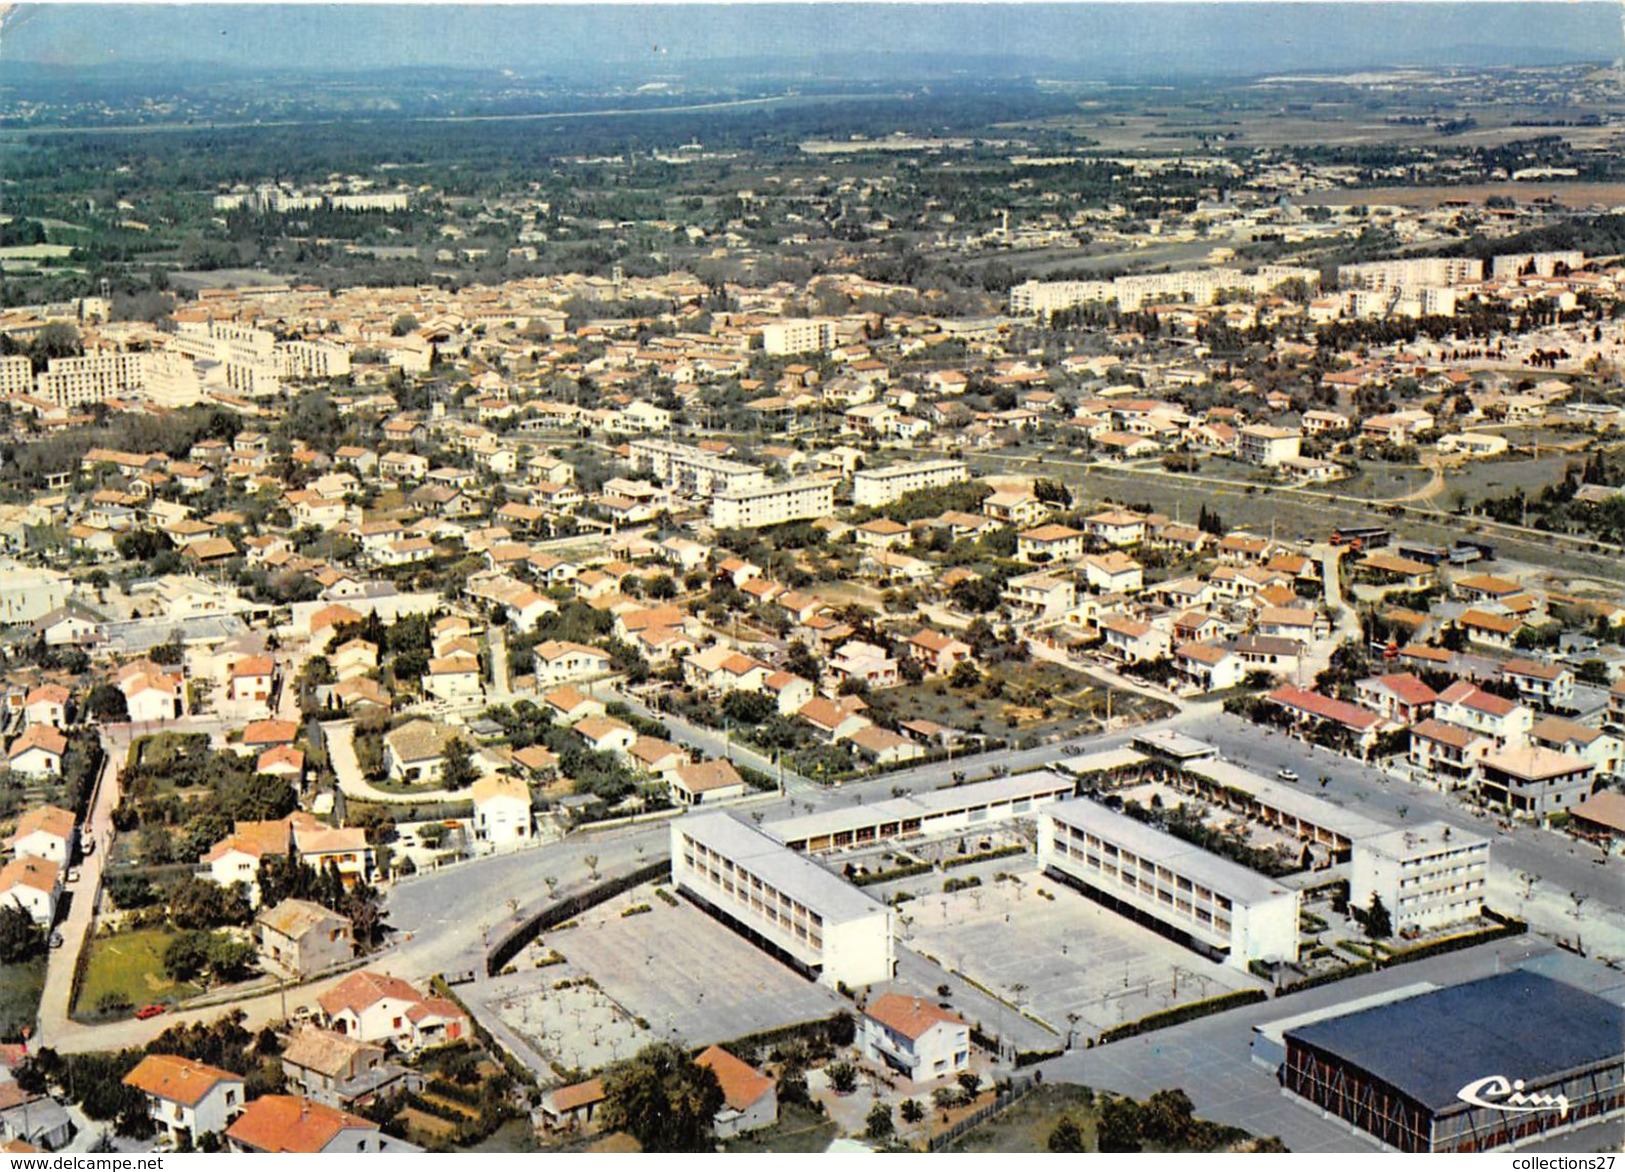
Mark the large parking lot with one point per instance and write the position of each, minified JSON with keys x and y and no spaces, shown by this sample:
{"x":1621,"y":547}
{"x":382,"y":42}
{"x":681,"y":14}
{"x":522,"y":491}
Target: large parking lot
{"x":675,"y":968}
{"x":1060,"y":957}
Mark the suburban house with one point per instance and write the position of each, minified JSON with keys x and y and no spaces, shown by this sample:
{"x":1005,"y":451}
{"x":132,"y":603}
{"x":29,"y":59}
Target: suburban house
{"x":288,"y":1124}
{"x":34,"y":885}
{"x":415,"y":751}
{"x":297,"y":938}
{"x":501,"y":811}
{"x":187,"y":1099}
{"x":914,"y":1037}
{"x":338,"y":1070}
{"x":379,"y":1008}
{"x":1398,"y":697}
{"x":707,"y":781}
{"x":45,"y":832}
{"x":38,"y":752}
{"x":750,"y":1099}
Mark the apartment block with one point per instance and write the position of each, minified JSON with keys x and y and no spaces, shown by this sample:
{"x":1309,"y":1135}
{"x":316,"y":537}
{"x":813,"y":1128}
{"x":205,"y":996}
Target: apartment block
{"x":881,"y":486}
{"x":782,"y":900}
{"x":1427,"y":876}
{"x":773,"y":504}
{"x":1216,"y":907}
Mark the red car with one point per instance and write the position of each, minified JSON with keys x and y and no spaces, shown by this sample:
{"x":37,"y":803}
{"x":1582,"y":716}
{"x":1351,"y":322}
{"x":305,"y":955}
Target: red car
{"x":147,"y":1011}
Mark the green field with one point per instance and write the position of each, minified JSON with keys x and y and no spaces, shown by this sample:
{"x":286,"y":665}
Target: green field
{"x":20,"y":989}
{"x":131,"y":965}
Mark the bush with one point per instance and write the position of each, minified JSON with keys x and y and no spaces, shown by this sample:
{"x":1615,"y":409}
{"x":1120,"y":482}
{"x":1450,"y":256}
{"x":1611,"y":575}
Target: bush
{"x":1183,"y":1013}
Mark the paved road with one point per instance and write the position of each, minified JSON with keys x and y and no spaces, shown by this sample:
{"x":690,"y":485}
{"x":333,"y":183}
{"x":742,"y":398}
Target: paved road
{"x":1562,"y":864}
{"x":1210,"y":1059}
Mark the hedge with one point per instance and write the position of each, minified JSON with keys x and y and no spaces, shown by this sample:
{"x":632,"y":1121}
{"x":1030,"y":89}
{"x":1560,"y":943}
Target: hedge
{"x":1181,"y":1014}
{"x":1002,"y":852}
{"x":1342,"y":974}
{"x":906,"y":871}
{"x":568,"y":908}
{"x":1455,"y":943}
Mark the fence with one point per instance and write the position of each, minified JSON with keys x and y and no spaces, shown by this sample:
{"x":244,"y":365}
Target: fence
{"x":568,"y":908}
{"x":1019,"y":1090}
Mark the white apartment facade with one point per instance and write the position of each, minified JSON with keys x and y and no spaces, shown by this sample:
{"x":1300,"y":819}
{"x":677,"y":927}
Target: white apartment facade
{"x":804,"y":499}
{"x":1427,"y":876}
{"x":821,"y":923}
{"x":1219,"y":907}
{"x":881,"y":486}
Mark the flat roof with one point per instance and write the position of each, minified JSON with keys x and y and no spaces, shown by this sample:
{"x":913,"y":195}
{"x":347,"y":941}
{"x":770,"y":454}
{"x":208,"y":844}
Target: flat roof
{"x":1425,"y":838}
{"x":999,"y":789}
{"x":1176,"y":745}
{"x":845,"y":818}
{"x":1104,"y":760}
{"x":923,"y":805}
{"x":1519,"y":1024}
{"x":1194,"y":863}
{"x":1290,"y":800}
{"x":1274,"y":1030}
{"x":794,"y":874}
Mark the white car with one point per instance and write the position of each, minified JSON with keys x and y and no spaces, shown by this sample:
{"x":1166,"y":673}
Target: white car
{"x":1286,"y":775}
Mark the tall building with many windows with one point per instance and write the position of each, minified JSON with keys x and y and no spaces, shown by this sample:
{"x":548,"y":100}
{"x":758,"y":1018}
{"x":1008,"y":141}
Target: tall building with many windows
{"x":783,"y":901}
{"x":773,"y":504}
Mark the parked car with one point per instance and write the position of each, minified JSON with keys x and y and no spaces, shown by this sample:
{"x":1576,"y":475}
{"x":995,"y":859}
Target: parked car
{"x":89,"y":848}
{"x":1286,"y":775}
{"x":73,"y":875}
{"x":56,"y":940}
{"x":147,"y":1011}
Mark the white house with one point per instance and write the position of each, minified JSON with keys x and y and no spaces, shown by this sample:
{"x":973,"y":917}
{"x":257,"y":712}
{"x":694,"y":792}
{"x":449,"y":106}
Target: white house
{"x":186,"y":1098}
{"x":38,"y":751}
{"x":379,"y":1008}
{"x":44,"y":832}
{"x":501,"y":811}
{"x":560,"y":662}
{"x":915,"y":1037}
{"x":34,"y":885}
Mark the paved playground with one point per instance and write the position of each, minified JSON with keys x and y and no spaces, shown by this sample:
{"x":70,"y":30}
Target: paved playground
{"x":1062,"y":956}
{"x":669,"y":972}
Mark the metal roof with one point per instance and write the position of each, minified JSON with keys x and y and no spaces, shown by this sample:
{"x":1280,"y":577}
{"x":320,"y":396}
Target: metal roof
{"x":1520,"y":1025}
{"x":794,"y":874}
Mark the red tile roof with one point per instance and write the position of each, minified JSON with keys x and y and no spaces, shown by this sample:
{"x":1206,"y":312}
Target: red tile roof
{"x":909,"y":1016}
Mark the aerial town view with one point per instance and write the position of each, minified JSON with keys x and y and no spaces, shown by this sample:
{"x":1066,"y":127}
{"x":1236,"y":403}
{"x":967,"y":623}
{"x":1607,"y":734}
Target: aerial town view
{"x":812,"y":578}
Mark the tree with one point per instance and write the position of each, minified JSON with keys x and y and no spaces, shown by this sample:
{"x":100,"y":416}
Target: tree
{"x":913,"y":1111}
{"x":842,"y":1029}
{"x":970,"y":1082}
{"x":976,"y":595}
{"x":1119,"y":1126}
{"x":743,"y":707}
{"x":843,"y":1077}
{"x":799,"y":660}
{"x":965,"y":675}
{"x":187,"y":955}
{"x":20,"y":937}
{"x":457,"y":769}
{"x":879,"y":1124}
{"x":57,"y":339}
{"x":1378,"y":924}
{"x":1167,"y":1118}
{"x":1066,"y":1136}
{"x":662,"y":1098}
{"x":107,"y":704}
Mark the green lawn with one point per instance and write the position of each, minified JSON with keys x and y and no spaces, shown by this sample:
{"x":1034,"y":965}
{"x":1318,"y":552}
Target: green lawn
{"x":799,"y":1129}
{"x":130,"y":964}
{"x":20,"y":989}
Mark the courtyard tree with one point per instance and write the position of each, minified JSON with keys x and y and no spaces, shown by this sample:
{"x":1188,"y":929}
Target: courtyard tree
{"x":663,"y":1098}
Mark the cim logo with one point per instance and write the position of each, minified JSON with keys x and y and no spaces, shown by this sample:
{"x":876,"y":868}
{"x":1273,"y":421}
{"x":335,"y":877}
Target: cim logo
{"x":1502,"y":1094}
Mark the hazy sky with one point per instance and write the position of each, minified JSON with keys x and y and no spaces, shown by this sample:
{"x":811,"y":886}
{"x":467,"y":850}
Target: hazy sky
{"x":1109,"y":38}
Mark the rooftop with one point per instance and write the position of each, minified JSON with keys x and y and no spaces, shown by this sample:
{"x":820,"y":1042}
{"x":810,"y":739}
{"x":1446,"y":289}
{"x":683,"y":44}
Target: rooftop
{"x":1519,"y":1022}
{"x":794,"y":874}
